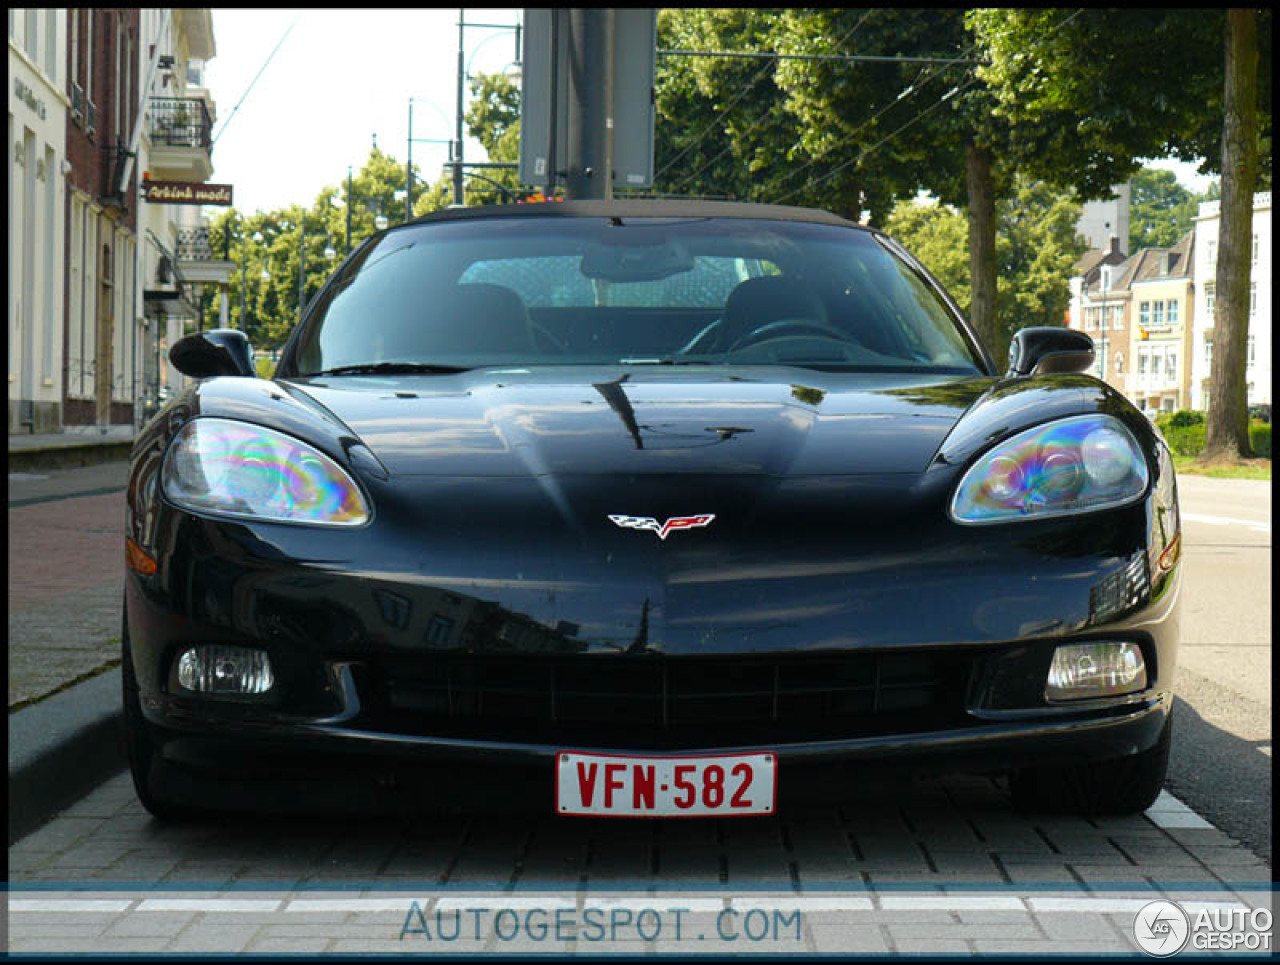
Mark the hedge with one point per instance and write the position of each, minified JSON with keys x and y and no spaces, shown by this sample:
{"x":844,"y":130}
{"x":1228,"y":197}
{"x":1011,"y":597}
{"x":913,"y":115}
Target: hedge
{"x":1188,"y":440}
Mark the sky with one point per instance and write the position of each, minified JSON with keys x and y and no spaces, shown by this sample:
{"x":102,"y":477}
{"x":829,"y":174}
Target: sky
{"x":342,"y":78}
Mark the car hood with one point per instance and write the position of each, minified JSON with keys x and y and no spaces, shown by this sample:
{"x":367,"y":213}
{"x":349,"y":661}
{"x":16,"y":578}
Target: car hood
{"x":577,"y":420}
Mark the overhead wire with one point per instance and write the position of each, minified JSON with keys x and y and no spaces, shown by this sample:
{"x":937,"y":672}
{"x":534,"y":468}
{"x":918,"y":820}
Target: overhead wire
{"x":270,"y":57}
{"x":951,"y":93}
{"x":746,"y":88}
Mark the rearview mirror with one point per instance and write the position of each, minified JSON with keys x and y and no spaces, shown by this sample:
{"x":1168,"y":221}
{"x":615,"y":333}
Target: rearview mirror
{"x":1046,"y":349}
{"x":641,"y":262}
{"x":219,"y":351}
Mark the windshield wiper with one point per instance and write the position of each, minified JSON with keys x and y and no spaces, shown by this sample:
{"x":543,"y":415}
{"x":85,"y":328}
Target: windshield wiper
{"x":664,"y":361}
{"x":393,"y":368}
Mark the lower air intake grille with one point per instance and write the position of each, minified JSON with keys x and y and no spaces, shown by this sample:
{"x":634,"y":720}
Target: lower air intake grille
{"x":653,"y":701}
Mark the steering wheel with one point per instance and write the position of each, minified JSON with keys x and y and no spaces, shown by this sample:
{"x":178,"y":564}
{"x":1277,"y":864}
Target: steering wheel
{"x":769,"y":330}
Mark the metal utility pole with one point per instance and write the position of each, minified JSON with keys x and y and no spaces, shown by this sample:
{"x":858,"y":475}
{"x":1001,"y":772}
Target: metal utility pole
{"x":457,"y":165}
{"x":590,"y":68}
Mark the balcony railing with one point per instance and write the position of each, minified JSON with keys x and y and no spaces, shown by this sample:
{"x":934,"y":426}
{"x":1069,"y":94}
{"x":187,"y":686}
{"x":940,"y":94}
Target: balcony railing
{"x":180,"y":122}
{"x":77,"y":103}
{"x":193,"y":244}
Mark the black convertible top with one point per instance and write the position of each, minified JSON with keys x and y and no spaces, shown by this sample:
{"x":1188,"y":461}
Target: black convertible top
{"x":641,"y":208}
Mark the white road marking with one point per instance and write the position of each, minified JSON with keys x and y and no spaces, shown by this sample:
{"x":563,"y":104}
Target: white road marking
{"x":780,"y":902}
{"x":1227,"y":521}
{"x":220,"y":905}
{"x":1169,"y":812}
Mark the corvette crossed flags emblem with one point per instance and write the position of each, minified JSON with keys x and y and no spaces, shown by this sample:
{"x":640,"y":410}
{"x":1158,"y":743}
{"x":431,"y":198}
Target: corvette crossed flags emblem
{"x":662,"y":529}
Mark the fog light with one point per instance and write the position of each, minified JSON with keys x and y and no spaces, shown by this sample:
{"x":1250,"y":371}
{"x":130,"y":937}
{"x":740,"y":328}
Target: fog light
{"x":1095,"y":670}
{"x":225,"y":670}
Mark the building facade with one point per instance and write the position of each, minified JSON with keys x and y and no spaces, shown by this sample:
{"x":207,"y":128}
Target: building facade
{"x":1162,"y":287}
{"x":175,"y":145}
{"x":1099,"y":220}
{"x":99,"y":364}
{"x":119,"y":298}
{"x":1258,"y":370}
{"x":38,"y":108}
{"x":1100,"y":307}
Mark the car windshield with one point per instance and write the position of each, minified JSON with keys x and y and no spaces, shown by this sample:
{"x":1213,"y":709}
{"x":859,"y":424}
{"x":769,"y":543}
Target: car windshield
{"x":524,"y":291}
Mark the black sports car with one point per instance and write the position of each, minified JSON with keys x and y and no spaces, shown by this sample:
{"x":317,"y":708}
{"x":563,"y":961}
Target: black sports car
{"x":662,"y":501}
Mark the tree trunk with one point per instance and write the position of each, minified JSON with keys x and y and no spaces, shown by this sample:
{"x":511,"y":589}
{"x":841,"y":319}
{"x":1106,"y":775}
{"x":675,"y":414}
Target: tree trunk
{"x":1227,"y":428}
{"x":982,"y":251}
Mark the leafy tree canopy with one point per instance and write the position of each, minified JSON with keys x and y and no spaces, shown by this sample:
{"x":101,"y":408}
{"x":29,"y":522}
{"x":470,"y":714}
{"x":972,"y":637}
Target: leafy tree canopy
{"x":1160,"y":210}
{"x":1036,"y":245}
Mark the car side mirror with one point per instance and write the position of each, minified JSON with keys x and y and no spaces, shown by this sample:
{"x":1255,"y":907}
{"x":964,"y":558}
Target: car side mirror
{"x":1046,"y":349}
{"x":219,"y":351}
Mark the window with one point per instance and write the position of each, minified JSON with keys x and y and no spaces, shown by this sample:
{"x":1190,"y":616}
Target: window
{"x":1117,"y":317}
{"x":1144,"y":314}
{"x":1119,"y":364}
{"x":1173,"y":311}
{"x":1208,"y":351}
{"x":29,"y":37}
{"x":51,"y":45}
{"x":1253,"y":299}
{"x":1142,"y":363}
{"x":1171,"y":365}
{"x":1157,"y":313}
{"x":1251,"y":357}
{"x":1208,"y":299}
{"x":438,"y":631}
{"x":1088,"y":319}
{"x":1255,"y":249}
{"x":1213,"y":254}
{"x":88,"y":58}
{"x":73,"y":68}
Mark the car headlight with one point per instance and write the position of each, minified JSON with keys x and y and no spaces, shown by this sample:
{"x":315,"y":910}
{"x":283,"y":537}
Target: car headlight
{"x":237,"y":469}
{"x":1074,"y":465}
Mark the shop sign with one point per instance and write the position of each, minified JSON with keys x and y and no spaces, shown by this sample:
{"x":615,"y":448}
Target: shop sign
{"x":28,"y":97}
{"x":184,"y":192}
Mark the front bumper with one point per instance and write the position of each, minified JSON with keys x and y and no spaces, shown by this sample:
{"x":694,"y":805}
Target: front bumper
{"x":895,"y":639}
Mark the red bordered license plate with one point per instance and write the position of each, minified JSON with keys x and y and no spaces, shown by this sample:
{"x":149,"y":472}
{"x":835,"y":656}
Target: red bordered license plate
{"x":721,"y":785}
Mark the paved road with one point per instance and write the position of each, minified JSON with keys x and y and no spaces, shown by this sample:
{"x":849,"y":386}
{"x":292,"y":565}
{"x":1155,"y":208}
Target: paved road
{"x":1222,"y":758}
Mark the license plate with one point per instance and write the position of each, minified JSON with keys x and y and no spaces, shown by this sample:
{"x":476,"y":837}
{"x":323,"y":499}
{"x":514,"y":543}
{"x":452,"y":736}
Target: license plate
{"x":723,"y":785}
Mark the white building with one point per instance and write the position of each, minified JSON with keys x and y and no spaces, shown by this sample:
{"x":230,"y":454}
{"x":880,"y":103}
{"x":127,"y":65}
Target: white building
{"x":175,"y":145}
{"x":1258,"y":372}
{"x":1101,"y":219}
{"x":37,"y":204}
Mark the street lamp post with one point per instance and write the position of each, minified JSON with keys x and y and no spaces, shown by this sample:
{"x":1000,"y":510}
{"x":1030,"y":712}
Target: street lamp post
{"x":463,"y":71}
{"x":302,"y":262}
{"x":408,"y":168}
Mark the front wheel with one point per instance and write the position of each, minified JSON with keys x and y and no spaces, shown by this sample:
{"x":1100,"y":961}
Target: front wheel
{"x":144,"y":756}
{"x":1121,"y":785}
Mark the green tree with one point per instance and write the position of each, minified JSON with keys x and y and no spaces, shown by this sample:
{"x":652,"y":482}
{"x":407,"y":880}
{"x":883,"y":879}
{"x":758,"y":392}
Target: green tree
{"x":493,"y":118}
{"x":1205,"y":95}
{"x":280,"y":254}
{"x":1036,"y":245}
{"x":1160,"y":210}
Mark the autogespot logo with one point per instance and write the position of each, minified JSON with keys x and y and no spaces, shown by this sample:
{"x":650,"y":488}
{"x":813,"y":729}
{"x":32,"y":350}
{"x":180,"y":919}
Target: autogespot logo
{"x":1161,"y":928}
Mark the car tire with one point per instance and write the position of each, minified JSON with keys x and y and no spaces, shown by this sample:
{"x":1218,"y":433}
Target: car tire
{"x":1121,"y":785}
{"x":140,"y":746}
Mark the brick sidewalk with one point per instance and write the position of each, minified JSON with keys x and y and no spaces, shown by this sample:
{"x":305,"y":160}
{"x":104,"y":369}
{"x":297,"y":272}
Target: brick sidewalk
{"x":937,"y":867}
{"x":66,"y":578}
